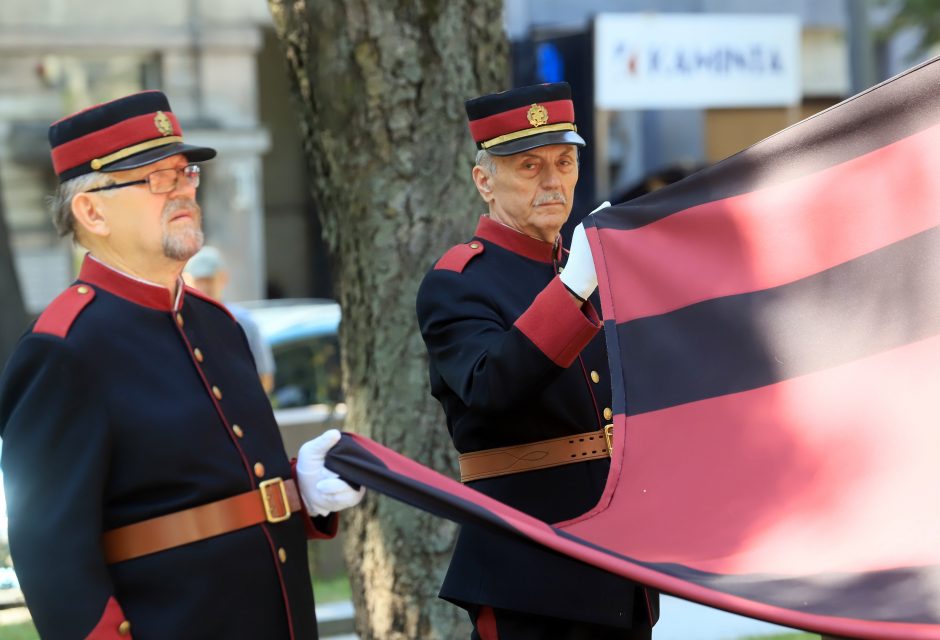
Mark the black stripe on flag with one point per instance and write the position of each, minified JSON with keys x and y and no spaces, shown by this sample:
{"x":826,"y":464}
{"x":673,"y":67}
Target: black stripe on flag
{"x":885,"y":299}
{"x":861,"y":595}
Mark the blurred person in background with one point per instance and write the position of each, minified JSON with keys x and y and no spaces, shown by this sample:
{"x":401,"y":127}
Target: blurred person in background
{"x":207,"y":272}
{"x":147,"y":486}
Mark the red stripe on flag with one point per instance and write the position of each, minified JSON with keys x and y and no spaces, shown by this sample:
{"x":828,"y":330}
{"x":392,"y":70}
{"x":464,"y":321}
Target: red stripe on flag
{"x":772,"y":236}
{"x":829,"y":472}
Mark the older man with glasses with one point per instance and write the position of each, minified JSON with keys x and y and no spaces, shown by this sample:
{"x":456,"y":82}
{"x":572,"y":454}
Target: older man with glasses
{"x":148,"y":489}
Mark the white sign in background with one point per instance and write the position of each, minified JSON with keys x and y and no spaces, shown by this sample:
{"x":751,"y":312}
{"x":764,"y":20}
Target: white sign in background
{"x":696,"y":61}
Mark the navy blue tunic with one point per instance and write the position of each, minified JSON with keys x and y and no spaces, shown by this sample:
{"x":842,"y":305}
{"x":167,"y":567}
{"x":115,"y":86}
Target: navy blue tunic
{"x":513,"y":360}
{"x":122,"y":405}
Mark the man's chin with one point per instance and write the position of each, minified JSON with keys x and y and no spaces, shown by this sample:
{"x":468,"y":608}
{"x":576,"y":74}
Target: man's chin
{"x":555,"y":212}
{"x":548,"y":224}
{"x":554,"y":208}
{"x":183,"y":244}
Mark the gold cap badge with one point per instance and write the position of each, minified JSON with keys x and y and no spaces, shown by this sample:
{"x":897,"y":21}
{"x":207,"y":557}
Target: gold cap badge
{"x":163,"y":124}
{"x":537,"y":115}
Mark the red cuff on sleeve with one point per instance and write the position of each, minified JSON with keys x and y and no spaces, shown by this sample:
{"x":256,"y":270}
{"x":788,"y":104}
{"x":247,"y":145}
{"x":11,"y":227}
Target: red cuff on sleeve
{"x":322,"y":527}
{"x":556,"y":326}
{"x":112,"y":625}
{"x":316,"y":527}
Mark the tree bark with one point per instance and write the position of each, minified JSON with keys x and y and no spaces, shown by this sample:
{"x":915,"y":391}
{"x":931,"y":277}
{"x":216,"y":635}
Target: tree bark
{"x":381,"y":87}
{"x":12,"y":313}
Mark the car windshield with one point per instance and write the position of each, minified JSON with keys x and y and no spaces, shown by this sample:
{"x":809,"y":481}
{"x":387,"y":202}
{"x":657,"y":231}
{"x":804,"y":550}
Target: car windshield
{"x":303,"y":338}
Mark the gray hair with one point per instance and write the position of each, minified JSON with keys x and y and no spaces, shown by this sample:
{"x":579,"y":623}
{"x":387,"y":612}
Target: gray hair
{"x":61,"y":202}
{"x":486,"y":160}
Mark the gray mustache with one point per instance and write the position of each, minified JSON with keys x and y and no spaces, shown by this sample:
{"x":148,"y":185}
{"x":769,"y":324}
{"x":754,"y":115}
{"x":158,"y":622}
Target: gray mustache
{"x":172,"y":206}
{"x":553,"y":196}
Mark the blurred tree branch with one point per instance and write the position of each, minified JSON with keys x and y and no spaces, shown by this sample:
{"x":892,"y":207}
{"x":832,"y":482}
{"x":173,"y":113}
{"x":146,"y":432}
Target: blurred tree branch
{"x":920,"y":16}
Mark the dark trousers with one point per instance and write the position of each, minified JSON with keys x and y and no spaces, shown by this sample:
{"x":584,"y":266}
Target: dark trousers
{"x":500,"y":624}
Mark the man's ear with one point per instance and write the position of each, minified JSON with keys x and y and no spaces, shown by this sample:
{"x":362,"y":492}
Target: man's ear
{"x":484,"y":183}
{"x":88,"y":215}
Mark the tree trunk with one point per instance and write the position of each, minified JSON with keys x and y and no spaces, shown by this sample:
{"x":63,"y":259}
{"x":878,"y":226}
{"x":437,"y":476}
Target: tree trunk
{"x":12,"y":314}
{"x":381,"y":87}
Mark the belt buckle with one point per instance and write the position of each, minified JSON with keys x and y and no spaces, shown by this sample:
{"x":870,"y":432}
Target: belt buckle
{"x":269,"y":514}
{"x":609,"y":437}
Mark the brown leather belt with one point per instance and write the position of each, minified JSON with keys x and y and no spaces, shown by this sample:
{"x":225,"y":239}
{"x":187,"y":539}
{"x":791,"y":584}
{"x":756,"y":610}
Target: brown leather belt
{"x":502,"y":461}
{"x":273,"y":501}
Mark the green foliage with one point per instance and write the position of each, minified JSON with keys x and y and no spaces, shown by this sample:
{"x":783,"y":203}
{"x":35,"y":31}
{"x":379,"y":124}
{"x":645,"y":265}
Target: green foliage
{"x":923,"y":16}
{"x":22,"y":631}
{"x":335,"y":589}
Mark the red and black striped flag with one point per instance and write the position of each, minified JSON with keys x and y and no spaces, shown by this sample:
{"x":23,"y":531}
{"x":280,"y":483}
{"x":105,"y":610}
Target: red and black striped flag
{"x":773,"y":325}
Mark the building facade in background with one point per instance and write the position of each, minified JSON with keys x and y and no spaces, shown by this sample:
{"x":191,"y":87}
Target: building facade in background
{"x":219,"y":63}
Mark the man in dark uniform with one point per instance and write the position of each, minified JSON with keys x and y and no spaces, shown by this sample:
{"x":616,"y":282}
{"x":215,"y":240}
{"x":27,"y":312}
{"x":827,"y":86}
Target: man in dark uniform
{"x":517,"y":361}
{"x":148,"y":489}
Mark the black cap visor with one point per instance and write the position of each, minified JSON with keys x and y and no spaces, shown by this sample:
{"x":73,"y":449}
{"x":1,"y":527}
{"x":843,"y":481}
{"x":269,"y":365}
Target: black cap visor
{"x":192,"y":153}
{"x":539,"y":140}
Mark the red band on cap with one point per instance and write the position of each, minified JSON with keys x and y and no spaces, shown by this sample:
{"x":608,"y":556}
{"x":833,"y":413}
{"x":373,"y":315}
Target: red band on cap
{"x":105,"y":141}
{"x":500,"y":124}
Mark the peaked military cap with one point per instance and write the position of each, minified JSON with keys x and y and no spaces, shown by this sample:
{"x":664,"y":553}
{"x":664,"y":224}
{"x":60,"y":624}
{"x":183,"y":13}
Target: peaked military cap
{"x":525,"y":118}
{"x":126,"y":133}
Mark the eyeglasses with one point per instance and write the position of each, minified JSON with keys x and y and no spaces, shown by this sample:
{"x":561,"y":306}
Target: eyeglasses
{"x":162,"y":181}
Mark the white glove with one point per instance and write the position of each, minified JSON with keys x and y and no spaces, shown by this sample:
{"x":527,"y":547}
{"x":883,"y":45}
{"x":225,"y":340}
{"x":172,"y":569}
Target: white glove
{"x":579,"y":274}
{"x":322,"y":490}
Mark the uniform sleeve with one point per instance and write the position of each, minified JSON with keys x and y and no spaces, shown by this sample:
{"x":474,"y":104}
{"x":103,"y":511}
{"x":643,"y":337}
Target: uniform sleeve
{"x":490,"y":362}
{"x":315,"y":527}
{"x":55,"y":462}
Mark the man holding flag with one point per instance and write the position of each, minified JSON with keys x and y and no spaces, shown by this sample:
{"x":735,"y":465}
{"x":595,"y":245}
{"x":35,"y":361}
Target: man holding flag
{"x":521,"y":372}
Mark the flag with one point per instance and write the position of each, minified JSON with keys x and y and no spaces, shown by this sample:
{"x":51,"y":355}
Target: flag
{"x":773,"y":323}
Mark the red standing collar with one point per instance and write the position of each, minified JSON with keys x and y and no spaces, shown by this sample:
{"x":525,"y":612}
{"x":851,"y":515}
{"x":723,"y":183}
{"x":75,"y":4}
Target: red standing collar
{"x":146,"y":294}
{"x":512,"y":240}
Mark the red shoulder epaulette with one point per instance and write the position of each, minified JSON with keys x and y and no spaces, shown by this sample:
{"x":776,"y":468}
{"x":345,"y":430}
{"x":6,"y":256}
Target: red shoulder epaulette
{"x":190,"y":291}
{"x":58,"y":317}
{"x":456,"y":258}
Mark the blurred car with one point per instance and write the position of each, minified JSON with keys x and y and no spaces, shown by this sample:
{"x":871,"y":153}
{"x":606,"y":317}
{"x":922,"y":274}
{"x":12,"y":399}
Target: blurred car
{"x":8,"y":579}
{"x":10,"y":593}
{"x":303,"y":337}
{"x":308,"y":384}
